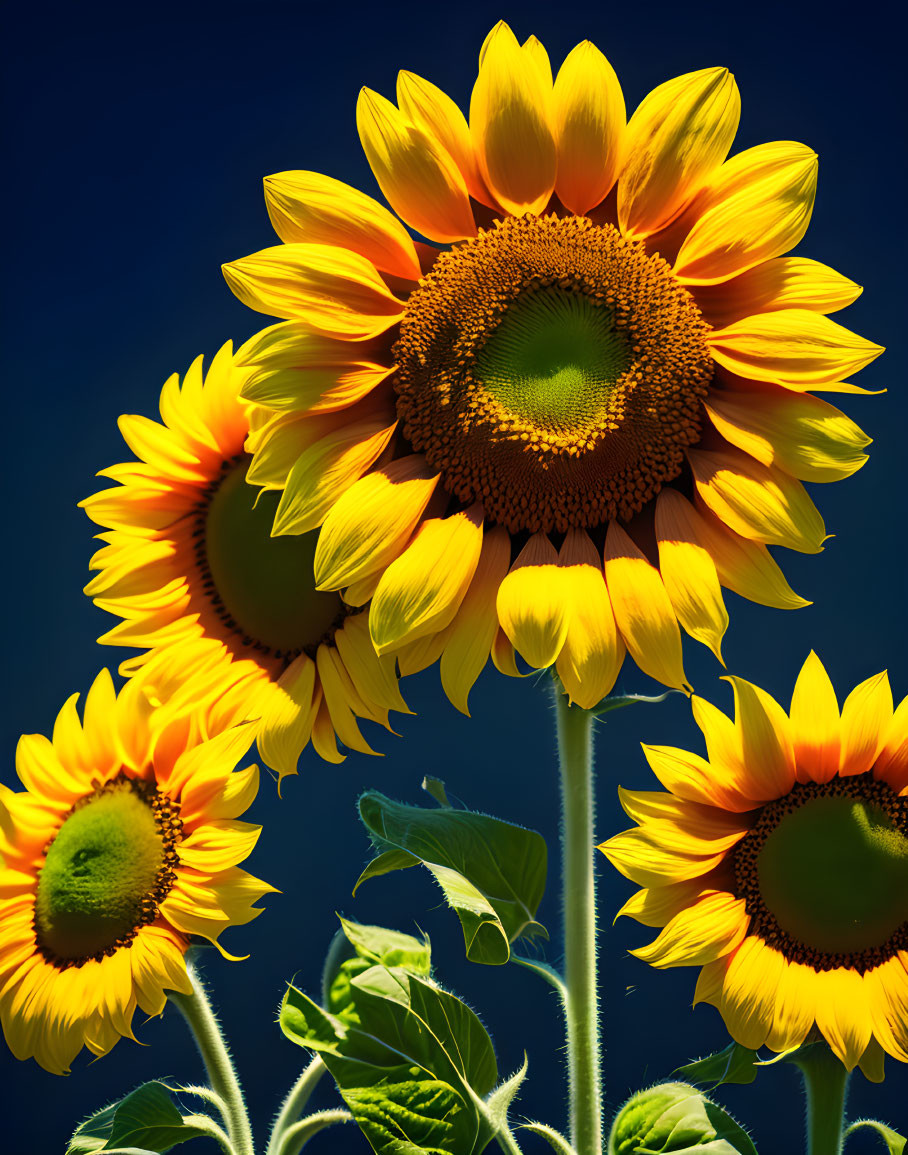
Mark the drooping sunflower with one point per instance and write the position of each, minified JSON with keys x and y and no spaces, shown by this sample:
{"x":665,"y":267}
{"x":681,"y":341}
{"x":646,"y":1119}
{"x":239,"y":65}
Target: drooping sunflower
{"x":124,"y":843}
{"x":226,"y":613}
{"x":581,"y":406}
{"x":780,"y":866}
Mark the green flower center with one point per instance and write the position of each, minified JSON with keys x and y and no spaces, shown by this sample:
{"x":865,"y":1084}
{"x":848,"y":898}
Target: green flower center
{"x":102,"y":874}
{"x":824,"y":872}
{"x":263,"y":586}
{"x":554,"y":360}
{"x":835,"y":875}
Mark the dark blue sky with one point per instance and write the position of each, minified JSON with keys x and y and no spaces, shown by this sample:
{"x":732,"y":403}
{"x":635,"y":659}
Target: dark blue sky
{"x":137,"y":137}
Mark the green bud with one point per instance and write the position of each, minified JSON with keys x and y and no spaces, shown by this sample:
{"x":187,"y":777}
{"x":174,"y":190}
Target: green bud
{"x":676,"y":1118}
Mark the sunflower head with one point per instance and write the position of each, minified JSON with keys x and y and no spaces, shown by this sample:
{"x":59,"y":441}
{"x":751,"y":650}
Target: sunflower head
{"x":577,"y":408}
{"x":124,"y":844}
{"x":780,"y":866}
{"x":228,"y":615}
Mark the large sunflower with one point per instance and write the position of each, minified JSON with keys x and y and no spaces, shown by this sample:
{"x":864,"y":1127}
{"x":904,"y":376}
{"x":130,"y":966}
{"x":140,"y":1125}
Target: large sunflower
{"x":583,"y":407}
{"x":780,"y":866}
{"x":226,"y":613}
{"x":123,"y":844}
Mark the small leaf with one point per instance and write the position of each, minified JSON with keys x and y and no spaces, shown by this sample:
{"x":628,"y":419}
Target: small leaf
{"x":546,"y":972}
{"x":499,"y":1102}
{"x":414,"y":1068}
{"x":436,"y":788}
{"x":492,"y":873}
{"x":734,"y":1064}
{"x":621,"y":700}
{"x":554,"y":1138}
{"x":147,"y":1119}
{"x":895,"y":1143}
{"x":676,"y":1118}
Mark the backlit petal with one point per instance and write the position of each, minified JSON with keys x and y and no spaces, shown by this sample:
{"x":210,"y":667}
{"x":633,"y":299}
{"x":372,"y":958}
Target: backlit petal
{"x":748,"y":992}
{"x":782,"y":283}
{"x":892,"y":761}
{"x":843,"y":1013}
{"x":767,"y":752}
{"x":706,"y":930}
{"x":531,"y":605}
{"x":815,"y":728}
{"x":866,"y":716}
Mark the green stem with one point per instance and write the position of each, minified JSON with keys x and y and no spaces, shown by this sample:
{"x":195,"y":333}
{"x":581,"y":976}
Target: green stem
{"x":297,"y":1098}
{"x":581,"y":1007}
{"x":825,"y":1087}
{"x":507,"y":1142}
{"x":200,"y":1018}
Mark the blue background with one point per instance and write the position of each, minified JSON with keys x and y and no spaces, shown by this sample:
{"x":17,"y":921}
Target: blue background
{"x":136,"y":142}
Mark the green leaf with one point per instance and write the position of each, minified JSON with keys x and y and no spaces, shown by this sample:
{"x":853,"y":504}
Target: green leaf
{"x":492,"y":873}
{"x":146,"y":1120}
{"x":676,"y":1119}
{"x":734,"y":1064}
{"x":499,"y":1102}
{"x":415,"y":1067}
{"x":895,"y":1143}
{"x":436,"y":788}
{"x":621,"y":700}
{"x":366,"y":946}
{"x":554,"y":1138}
{"x":546,"y":972}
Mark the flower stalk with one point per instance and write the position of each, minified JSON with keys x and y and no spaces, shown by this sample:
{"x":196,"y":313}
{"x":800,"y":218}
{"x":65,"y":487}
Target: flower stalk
{"x":825,"y":1089}
{"x":196,"y":1009}
{"x":581,"y":1000}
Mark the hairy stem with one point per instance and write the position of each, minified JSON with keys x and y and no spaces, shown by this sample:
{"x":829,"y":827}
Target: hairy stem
{"x":825,"y":1088}
{"x":292,"y":1107}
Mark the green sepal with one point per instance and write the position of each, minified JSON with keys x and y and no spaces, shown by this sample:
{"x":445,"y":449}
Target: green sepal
{"x":145,"y":1120}
{"x":498,"y":1103}
{"x":619,"y":701}
{"x":414,"y":1068}
{"x":676,"y":1119}
{"x":895,"y":1144}
{"x":734,"y":1064}
{"x":554,"y":1138}
{"x":492,"y":872}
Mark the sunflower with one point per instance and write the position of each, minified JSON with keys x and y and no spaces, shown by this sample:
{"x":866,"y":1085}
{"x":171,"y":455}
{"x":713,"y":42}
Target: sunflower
{"x":582,"y":407}
{"x":780,"y":866}
{"x":227,"y":615}
{"x":123,"y":844}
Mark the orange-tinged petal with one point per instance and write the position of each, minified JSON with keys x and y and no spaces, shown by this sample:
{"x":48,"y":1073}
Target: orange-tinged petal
{"x":798,"y":346}
{"x":843,"y":1013}
{"x":474,"y":629}
{"x":815,"y":728}
{"x":593,"y":649}
{"x":759,"y":502}
{"x":743,"y":566}
{"x":371,"y":523}
{"x":757,"y":206}
{"x":511,"y":125}
{"x":418,"y":177}
{"x":706,"y":930}
{"x":892,"y":761}
{"x":337,"y":292}
{"x":866,"y":717}
{"x":678,"y":135}
{"x":421,"y":591}
{"x":531,"y":606}
{"x":589,"y":120}
{"x":782,"y":283}
{"x":689,"y":572}
{"x":310,"y":208}
{"x":325,"y":470}
{"x":767,"y":753}
{"x":806,"y":437}
{"x":643,"y":609}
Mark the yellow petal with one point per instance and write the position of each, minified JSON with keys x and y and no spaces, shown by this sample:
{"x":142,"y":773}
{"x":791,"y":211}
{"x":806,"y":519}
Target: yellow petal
{"x":279,"y":443}
{"x":589,"y":120}
{"x":689,"y":572}
{"x":593,"y":649}
{"x":418,"y":177}
{"x":866,"y":717}
{"x":288,"y":716}
{"x":535,"y":50}
{"x":815,"y":729}
{"x":375,"y":677}
{"x":795,"y":1005}
{"x":892,"y":760}
{"x":791,"y":345}
{"x":745,"y":567}
{"x":339,"y":699}
{"x":309,"y":207}
{"x":782,"y":283}
{"x":806,"y":437}
{"x":690,"y":777}
{"x":325,"y":470}
{"x":767,"y":752}
{"x":438,"y":116}
{"x":474,"y":629}
{"x":510,"y":121}
{"x":337,"y":292}
{"x":640,"y":857}
{"x":643,"y":610}
{"x":886,"y":988}
{"x":705,"y":931}
{"x":679,"y":821}
{"x":531,"y":605}
{"x":657,"y":906}
{"x":757,"y":206}
{"x":748,"y":992}
{"x":843,"y":1013}
{"x":678,"y":135}
{"x":757,"y":501}
{"x":323,"y":736}
{"x":372,"y":522}
{"x":420,"y":592}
